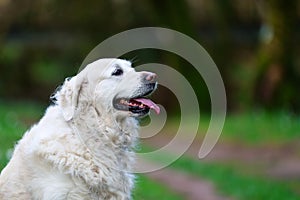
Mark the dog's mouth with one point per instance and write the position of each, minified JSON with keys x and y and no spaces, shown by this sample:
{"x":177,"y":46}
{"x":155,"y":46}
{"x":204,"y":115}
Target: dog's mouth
{"x":139,"y":105}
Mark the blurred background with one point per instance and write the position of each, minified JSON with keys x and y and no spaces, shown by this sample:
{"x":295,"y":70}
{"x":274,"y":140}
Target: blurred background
{"x":254,"y":43}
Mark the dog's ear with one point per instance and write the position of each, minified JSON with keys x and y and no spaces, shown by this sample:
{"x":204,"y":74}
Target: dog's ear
{"x":68,"y":96}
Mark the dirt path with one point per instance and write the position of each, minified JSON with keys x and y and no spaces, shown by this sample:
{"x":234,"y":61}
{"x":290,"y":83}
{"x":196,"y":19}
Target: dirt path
{"x":281,"y":162}
{"x":189,"y":187}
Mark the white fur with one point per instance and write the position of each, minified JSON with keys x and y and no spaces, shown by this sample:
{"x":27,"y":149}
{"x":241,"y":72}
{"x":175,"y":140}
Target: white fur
{"x":82,"y":148}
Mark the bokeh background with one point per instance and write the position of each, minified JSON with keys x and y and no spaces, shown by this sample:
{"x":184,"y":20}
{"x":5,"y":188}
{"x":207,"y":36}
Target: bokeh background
{"x":254,"y":43}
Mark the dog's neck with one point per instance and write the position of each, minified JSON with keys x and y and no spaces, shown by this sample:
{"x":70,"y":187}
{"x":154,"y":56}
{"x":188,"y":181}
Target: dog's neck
{"x":106,"y":136}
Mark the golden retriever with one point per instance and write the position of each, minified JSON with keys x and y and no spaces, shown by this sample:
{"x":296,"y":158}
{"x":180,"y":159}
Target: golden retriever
{"x":83,"y":147}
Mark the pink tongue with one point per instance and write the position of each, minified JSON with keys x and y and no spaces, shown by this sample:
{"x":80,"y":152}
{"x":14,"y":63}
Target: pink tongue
{"x":149,"y":103}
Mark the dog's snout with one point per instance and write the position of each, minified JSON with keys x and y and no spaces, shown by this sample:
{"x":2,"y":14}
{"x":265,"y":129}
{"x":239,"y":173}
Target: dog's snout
{"x":150,"y":77}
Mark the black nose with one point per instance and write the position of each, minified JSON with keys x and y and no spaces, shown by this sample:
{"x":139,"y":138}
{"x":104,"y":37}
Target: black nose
{"x":150,"y":77}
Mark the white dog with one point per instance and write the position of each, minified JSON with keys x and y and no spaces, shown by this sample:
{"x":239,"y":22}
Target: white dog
{"x":83,"y":146}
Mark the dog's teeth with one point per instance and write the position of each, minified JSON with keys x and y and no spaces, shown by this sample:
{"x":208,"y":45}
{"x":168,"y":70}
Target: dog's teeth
{"x":123,"y":101}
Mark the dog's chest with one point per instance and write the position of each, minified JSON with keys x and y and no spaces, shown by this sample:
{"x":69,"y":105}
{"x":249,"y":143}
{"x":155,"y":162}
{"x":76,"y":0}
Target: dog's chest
{"x":51,"y":185}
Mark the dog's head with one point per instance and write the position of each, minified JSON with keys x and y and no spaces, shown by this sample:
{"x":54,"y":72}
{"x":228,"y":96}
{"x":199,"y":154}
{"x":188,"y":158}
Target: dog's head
{"x":111,"y":86}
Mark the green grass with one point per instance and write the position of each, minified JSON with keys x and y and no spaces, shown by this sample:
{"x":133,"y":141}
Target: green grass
{"x":148,"y":189}
{"x":261,"y":128}
{"x":249,"y":128}
{"x":16,"y":118}
{"x":257,"y":128}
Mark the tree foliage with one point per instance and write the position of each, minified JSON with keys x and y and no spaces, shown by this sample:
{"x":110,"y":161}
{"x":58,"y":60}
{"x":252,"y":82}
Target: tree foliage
{"x":43,"y":41}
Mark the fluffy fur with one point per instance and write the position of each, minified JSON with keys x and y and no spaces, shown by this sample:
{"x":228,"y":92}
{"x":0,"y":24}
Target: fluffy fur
{"x":82,"y":148}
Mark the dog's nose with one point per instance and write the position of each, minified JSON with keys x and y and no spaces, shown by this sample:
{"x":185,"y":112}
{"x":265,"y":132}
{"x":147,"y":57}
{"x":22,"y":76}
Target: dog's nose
{"x":150,"y":77}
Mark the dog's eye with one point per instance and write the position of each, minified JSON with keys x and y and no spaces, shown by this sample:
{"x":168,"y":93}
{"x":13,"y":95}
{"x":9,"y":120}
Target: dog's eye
{"x":117,"y":72}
